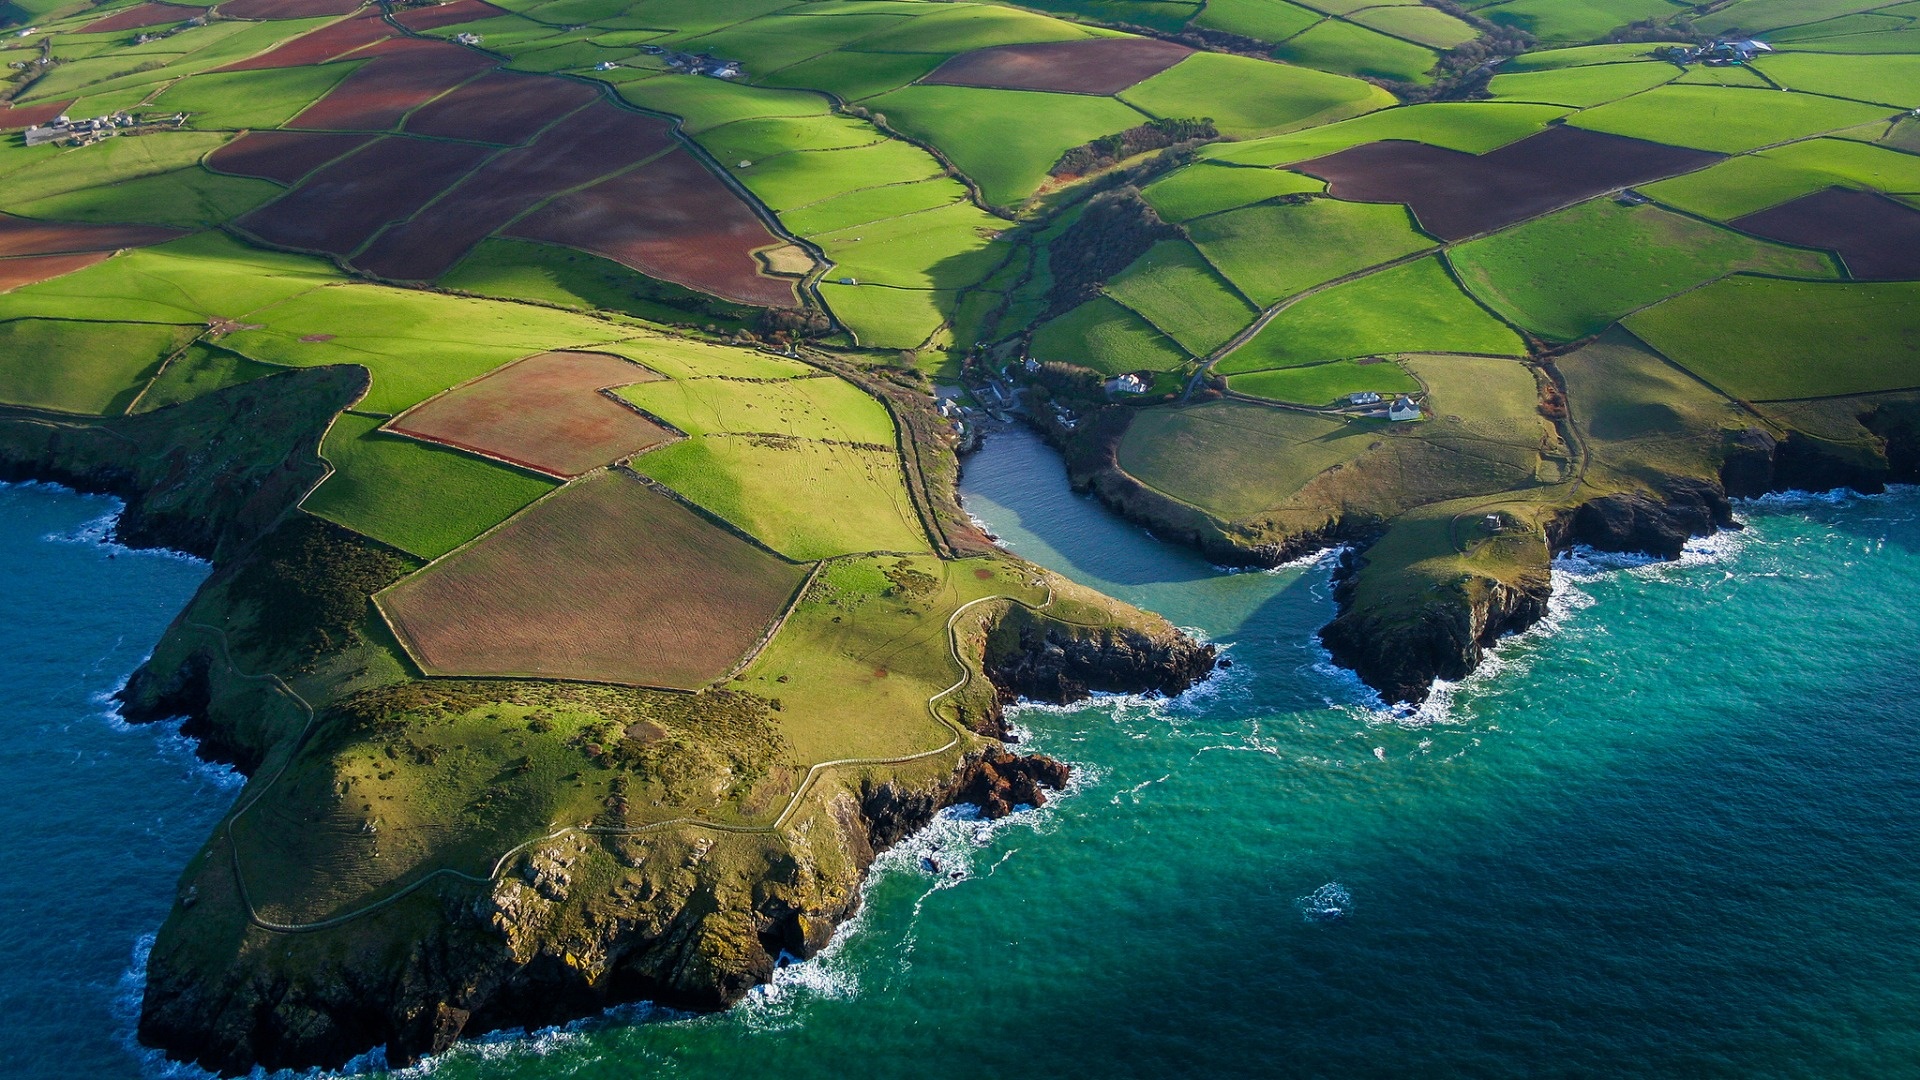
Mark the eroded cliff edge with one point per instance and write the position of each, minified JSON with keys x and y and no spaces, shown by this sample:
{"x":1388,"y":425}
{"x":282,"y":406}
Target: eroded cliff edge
{"x":310,"y":930}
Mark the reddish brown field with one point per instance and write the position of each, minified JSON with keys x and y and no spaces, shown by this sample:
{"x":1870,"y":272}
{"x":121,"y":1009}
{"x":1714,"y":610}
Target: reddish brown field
{"x":12,"y":118}
{"x":1095,"y":66}
{"x":433,"y":18}
{"x":340,"y":207}
{"x":606,"y":580}
{"x":284,"y":156}
{"x":395,"y":82}
{"x":670,"y":219}
{"x":25,"y":236}
{"x":594,"y":142}
{"x":1455,"y":195}
{"x":32,"y":269}
{"x":326,"y":43}
{"x":287,"y":9}
{"x":1878,"y":238}
{"x":544,"y":413}
{"x":500,"y":107}
{"x":140,"y":15}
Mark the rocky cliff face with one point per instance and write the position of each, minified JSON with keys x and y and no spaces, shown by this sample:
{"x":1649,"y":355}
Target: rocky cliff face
{"x":1033,"y":656}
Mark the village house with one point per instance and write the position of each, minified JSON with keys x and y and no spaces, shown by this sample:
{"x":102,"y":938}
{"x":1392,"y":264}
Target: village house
{"x":466,"y":38}
{"x":1130,"y":383}
{"x":1364,"y":397}
{"x":1404,"y":408}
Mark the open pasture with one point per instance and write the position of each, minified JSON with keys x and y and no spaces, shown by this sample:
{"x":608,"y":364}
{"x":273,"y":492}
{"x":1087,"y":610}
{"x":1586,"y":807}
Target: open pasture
{"x":591,"y":143}
{"x":685,"y":358}
{"x":197,"y":370}
{"x":1642,"y":415}
{"x":387,"y":87}
{"x":1468,"y":127}
{"x":571,"y":278}
{"x":283,"y":156}
{"x":1576,"y":20}
{"x":1584,"y":87}
{"x":1726,"y":119}
{"x":500,"y":107}
{"x":1417,"y":23}
{"x":856,"y":76}
{"x":605,"y":581}
{"x":1102,"y":335}
{"x":1877,"y":238}
{"x":887,"y":318}
{"x":819,"y":407}
{"x":1456,"y":195}
{"x":344,"y":204}
{"x":546,"y":412}
{"x":963,"y":28}
{"x":1883,"y":80}
{"x":1415,"y":307}
{"x":1759,"y":16}
{"x":1570,"y":274}
{"x":1234,"y":459}
{"x":265,"y":98}
{"x":1207,"y":188}
{"x":993,"y":136}
{"x":1324,"y":384}
{"x":752,"y":140}
{"x":1796,"y":339}
{"x":1248,"y":98}
{"x":94,"y":368}
{"x":1349,"y":49}
{"x":873,"y":204}
{"x":1099,"y":66}
{"x":25,"y":236}
{"x":1752,"y":182}
{"x":1182,"y":295}
{"x":1276,"y":250}
{"x":671,"y":219}
{"x":1262,"y":20}
{"x":945,"y":248}
{"x":803,"y":177}
{"x":192,"y":280}
{"x":423,"y":499}
{"x":53,"y":170}
{"x":805,"y":499}
{"x":705,"y":103}
{"x":191,"y":198}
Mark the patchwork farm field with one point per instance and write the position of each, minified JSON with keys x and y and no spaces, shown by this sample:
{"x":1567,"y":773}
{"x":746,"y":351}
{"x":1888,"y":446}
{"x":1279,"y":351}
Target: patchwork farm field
{"x":604,"y":581}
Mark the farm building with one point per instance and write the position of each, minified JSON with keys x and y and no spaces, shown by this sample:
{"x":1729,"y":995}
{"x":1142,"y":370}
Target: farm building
{"x":1404,"y":408}
{"x":1364,"y":397}
{"x":1127,"y":384}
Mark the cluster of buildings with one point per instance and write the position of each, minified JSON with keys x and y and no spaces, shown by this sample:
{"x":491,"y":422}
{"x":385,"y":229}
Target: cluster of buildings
{"x":1720,"y":53}
{"x":1369,"y":403}
{"x":155,"y":35}
{"x":87,"y":132}
{"x":696,"y":63}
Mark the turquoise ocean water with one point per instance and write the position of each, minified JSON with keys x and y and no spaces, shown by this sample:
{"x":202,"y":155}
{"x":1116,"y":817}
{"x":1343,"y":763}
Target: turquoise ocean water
{"x":1674,"y":833}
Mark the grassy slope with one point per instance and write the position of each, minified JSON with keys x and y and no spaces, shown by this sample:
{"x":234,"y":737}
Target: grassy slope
{"x":1177,"y":291}
{"x":1273,"y":252}
{"x":1108,"y":338}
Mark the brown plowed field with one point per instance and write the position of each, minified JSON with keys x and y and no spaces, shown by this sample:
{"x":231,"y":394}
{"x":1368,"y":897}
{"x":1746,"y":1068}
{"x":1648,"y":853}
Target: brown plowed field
{"x":500,"y":107}
{"x":287,"y":9}
{"x":326,"y":43}
{"x":594,"y":142}
{"x":395,"y":82}
{"x":1095,"y":66}
{"x":1456,"y":195}
{"x":605,"y":580}
{"x":433,"y":18}
{"x":1877,"y":237}
{"x":670,"y":219}
{"x":545,"y":413}
{"x":25,"y":236}
{"x":345,"y":203}
{"x":140,"y":15}
{"x":13,"y":117}
{"x":30,"y":269}
{"x":285,"y":156}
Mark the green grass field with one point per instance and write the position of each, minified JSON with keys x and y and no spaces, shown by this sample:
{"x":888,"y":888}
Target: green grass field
{"x":965,"y":27}
{"x":802,"y":498}
{"x":1417,"y":23}
{"x":190,"y":198}
{"x":887,"y":318}
{"x":82,"y":367}
{"x":1108,"y":338}
{"x":756,"y":139}
{"x":809,"y":176}
{"x":856,"y":76}
{"x":1182,"y":295}
{"x":423,"y":499}
{"x":1753,"y":182}
{"x":708,"y":103}
{"x":949,"y":247}
{"x":1348,"y":49}
{"x":190,"y":280}
{"x":990,"y":134}
{"x":1883,"y":80}
{"x":1583,"y":87}
{"x":1264,"y":20}
{"x":56,"y":170}
{"x":197,"y":370}
{"x":1208,"y":188}
{"x":1575,"y":20}
{"x":816,"y":408}
{"x":1730,"y":120}
{"x":1233,"y":459}
{"x":1570,"y":274}
{"x":1579,"y":56}
{"x":1470,"y":127}
{"x":873,"y":204}
{"x":1794,"y":339}
{"x":1641,"y":415}
{"x":1756,"y":16}
{"x":1248,"y":98}
{"x":1324,"y":384}
{"x":251,"y":99}
{"x":1410,"y":308}
{"x":1275,"y":251}
{"x":682,"y":358}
